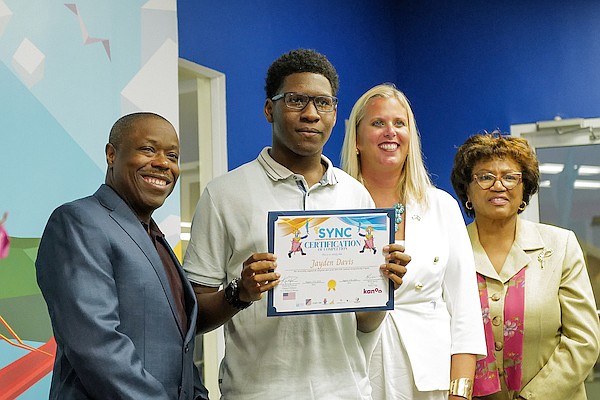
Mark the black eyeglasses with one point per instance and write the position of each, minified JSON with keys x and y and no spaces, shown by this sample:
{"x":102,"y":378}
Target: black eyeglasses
{"x":487,"y":180}
{"x":298,"y":101}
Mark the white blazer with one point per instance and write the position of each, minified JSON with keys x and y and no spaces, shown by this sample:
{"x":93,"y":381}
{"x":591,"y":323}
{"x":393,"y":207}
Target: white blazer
{"x":437,"y":309}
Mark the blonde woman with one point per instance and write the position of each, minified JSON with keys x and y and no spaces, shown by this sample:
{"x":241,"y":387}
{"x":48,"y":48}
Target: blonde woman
{"x":429,"y":343}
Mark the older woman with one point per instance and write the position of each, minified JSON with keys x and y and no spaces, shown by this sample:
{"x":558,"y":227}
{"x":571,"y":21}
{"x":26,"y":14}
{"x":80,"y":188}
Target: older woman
{"x":538,"y":308}
{"x":435,"y":331}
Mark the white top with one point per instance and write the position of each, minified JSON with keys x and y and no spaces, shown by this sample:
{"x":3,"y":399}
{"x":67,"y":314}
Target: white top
{"x":437,"y":310}
{"x":299,"y":357}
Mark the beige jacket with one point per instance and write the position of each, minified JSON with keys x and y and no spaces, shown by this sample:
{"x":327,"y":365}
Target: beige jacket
{"x":562,"y":333}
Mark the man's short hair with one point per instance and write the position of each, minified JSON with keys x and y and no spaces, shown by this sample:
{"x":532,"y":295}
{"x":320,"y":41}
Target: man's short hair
{"x":297,"y":61}
{"x":124,"y":124}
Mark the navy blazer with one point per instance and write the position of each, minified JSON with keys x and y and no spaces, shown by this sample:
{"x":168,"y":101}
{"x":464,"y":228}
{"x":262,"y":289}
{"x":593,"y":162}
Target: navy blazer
{"x":111,"y":306}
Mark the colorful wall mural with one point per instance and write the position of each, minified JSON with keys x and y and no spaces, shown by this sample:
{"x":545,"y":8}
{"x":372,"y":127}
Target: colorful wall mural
{"x":68,"y":70}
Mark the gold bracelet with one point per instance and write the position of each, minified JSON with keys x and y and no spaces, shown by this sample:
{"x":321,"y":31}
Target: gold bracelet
{"x":462,"y":387}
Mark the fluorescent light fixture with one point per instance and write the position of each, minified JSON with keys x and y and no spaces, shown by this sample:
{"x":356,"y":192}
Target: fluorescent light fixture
{"x":186,"y":224}
{"x":544,"y":184}
{"x":578,"y":184}
{"x":584,"y":170}
{"x":185,"y":236}
{"x":550,"y":168}
{"x":585,"y":184}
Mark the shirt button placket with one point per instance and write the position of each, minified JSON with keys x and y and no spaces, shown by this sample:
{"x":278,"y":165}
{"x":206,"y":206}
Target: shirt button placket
{"x":496,"y":304}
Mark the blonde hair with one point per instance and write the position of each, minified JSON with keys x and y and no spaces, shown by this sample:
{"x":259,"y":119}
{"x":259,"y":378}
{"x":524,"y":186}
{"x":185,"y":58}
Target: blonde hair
{"x":414,"y":179}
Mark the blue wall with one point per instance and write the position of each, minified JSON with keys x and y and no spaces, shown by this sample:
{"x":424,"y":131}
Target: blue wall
{"x":479,"y":65}
{"x":466,"y":66}
{"x":242,"y":38}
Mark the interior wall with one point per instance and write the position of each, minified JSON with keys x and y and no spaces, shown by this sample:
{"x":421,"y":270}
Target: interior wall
{"x":241,"y":39}
{"x":68,"y":71}
{"x":473,"y":66}
{"x":466,"y":66}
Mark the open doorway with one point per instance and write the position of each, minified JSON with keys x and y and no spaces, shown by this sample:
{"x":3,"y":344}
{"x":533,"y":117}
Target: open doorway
{"x":203,"y":156}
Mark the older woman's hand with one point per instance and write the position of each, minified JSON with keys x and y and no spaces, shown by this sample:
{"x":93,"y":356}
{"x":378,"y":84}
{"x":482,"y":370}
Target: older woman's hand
{"x":396,"y":261}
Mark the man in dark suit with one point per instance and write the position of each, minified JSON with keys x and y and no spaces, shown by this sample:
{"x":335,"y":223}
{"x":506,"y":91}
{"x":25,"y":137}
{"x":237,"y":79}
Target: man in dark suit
{"x":123,"y":313}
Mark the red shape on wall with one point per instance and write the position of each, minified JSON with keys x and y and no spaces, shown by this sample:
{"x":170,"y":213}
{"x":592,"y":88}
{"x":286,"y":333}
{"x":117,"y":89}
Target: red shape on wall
{"x":23,"y":373}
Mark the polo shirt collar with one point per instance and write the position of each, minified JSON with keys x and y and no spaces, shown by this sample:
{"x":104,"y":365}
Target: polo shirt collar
{"x":277,"y":172}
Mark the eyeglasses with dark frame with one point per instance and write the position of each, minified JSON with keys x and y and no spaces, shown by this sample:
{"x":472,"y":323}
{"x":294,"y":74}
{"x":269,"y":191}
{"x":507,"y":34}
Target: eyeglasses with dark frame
{"x":509,"y":180}
{"x":298,"y":101}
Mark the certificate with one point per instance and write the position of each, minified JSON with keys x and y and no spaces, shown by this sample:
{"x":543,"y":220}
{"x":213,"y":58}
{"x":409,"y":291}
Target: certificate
{"x":329,"y":261}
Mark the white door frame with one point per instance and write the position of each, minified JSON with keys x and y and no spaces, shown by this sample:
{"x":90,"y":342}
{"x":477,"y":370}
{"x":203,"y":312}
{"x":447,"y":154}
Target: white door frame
{"x":218,"y":136}
{"x":212,"y":163}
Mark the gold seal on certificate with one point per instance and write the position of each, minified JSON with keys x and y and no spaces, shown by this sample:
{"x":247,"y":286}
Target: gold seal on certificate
{"x":329,"y":261}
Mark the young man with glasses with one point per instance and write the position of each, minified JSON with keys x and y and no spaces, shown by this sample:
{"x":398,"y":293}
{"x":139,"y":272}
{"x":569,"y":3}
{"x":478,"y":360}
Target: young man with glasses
{"x":300,"y":357}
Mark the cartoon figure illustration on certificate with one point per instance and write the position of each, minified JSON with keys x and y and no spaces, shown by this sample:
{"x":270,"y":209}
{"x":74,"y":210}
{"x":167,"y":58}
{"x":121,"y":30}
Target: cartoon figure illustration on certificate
{"x":297,"y":243}
{"x":369,"y":240}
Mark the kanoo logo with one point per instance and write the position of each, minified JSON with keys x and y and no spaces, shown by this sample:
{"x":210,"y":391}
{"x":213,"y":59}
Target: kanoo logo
{"x":372,"y":291}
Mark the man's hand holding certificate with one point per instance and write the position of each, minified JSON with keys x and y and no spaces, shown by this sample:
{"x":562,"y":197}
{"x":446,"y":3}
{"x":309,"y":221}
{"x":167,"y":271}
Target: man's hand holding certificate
{"x":329,"y":261}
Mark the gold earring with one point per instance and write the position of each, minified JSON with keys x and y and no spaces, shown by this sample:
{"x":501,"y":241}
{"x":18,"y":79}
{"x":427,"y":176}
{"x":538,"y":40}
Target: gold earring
{"x":468,"y":205}
{"x":357,"y":152}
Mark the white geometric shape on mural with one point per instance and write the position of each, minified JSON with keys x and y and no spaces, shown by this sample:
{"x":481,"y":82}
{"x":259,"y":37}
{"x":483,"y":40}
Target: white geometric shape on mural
{"x":28,"y":61}
{"x":5,"y":15}
{"x":171,"y":227}
{"x":87,"y":39}
{"x":156,"y":25}
{"x":164,"y":5}
{"x":154,"y":88}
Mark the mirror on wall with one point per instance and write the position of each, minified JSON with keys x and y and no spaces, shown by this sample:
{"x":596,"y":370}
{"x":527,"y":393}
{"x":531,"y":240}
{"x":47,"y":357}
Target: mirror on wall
{"x":569,"y":154}
{"x":569,"y":196}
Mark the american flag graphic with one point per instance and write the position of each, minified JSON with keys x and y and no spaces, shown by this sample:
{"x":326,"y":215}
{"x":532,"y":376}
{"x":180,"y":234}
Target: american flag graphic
{"x":289,"y":295}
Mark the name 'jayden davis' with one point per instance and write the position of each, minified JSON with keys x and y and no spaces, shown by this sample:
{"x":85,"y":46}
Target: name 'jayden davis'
{"x":331,"y":263}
